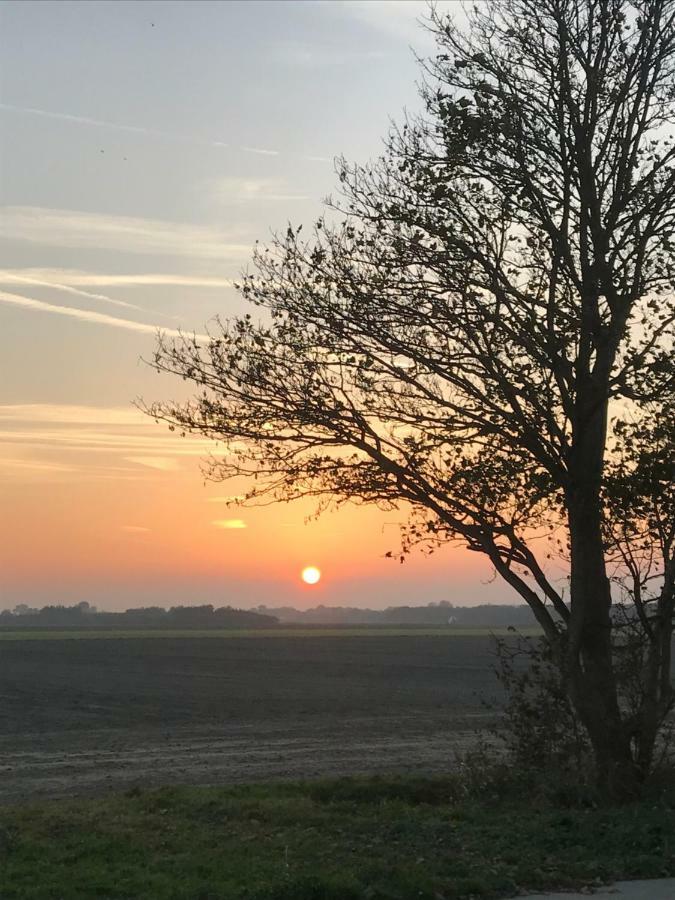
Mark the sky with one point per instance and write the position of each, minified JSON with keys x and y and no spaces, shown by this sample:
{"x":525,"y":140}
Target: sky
{"x":144,"y":148}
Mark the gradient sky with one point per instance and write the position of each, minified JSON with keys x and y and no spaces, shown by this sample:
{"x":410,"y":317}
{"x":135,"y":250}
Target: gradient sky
{"x":145,"y":147}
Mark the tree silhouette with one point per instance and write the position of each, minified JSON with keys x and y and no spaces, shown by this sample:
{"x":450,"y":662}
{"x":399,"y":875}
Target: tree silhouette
{"x":481,"y":330}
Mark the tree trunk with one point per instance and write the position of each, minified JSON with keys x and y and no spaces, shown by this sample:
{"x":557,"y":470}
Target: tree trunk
{"x":593,"y":687}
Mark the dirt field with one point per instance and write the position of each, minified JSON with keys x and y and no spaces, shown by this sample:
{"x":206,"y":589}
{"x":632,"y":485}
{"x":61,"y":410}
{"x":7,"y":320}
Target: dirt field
{"x":89,"y":715}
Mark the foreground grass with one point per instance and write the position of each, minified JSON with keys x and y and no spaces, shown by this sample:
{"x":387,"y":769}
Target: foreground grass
{"x":373,"y":839}
{"x":61,"y":634}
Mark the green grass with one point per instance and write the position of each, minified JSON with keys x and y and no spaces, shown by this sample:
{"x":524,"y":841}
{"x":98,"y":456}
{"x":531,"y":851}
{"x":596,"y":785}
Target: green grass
{"x":61,"y":634}
{"x":371,"y":839}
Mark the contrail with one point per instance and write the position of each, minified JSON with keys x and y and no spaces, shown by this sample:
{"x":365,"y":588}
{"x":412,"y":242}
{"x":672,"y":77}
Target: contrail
{"x":12,"y":278}
{"x":150,"y":132}
{"x":86,"y":315}
{"x":118,"y":126}
{"x":75,"y":277}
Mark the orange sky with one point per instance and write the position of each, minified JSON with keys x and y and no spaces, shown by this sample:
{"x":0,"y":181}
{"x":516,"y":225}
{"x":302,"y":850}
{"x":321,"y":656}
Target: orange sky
{"x":100,"y":504}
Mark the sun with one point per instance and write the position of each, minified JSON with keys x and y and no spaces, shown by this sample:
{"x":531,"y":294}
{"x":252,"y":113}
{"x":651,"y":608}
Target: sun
{"x":311,"y":575}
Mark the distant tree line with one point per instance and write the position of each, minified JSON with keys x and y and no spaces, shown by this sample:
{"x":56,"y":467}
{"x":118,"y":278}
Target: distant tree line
{"x":487,"y":615}
{"x":206,"y":616}
{"x":83,"y":614}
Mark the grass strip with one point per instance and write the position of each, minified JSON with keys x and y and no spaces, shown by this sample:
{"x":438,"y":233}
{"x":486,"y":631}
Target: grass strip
{"x":350,"y":839}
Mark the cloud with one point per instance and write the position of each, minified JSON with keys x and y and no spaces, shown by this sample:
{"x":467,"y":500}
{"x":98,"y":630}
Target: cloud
{"x":234,"y":524}
{"x":152,"y":441}
{"x":96,"y":318}
{"x":233,"y":498}
{"x":97,"y":279}
{"x":115,"y":442}
{"x":70,"y":414}
{"x":29,"y":467}
{"x":163,"y":463}
{"x":127,"y":234}
{"x":399,"y":19}
{"x":135,"y":529}
{"x":136,"y":129}
{"x":261,"y":151}
{"x":313,"y":56}
{"x":101,"y":123}
{"x":13,"y":277}
{"x":246,"y":190}
{"x":118,"y":430}
{"x":34,"y":465}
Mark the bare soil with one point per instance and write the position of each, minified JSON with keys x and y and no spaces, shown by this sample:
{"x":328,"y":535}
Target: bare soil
{"x":83,"y":716}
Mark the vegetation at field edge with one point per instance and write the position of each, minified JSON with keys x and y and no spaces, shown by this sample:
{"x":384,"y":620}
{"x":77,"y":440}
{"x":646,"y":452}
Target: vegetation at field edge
{"x":60,"y":634}
{"x":371,"y":839}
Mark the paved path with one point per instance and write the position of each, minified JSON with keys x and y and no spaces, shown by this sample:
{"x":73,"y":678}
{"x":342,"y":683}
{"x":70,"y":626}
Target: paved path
{"x":654,"y":889}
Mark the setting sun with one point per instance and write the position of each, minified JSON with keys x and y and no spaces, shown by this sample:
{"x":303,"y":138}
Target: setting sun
{"x":310,"y":575}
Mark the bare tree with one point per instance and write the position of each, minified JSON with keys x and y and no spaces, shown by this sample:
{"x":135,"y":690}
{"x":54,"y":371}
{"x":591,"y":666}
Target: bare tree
{"x":462,"y":332}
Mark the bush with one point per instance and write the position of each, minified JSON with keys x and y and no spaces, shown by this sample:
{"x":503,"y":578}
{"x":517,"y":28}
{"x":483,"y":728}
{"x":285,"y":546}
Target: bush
{"x":542,"y":731}
{"x":544,"y":745}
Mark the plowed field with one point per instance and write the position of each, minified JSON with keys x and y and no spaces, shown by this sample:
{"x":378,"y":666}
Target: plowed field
{"x":81,"y":716}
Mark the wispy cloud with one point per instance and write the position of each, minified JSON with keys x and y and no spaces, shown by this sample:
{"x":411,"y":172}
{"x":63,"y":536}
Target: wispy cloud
{"x":139,"y":130}
{"x":13,"y":277}
{"x":87,"y":315}
{"x":246,"y":190}
{"x":314,"y":56}
{"x":75,"y":277}
{"x":71,"y":414}
{"x":260,"y":151}
{"x":41,"y":441}
{"x":34,"y":465}
{"x":92,"y":441}
{"x":163,"y":463}
{"x":135,"y":529}
{"x":234,"y":524}
{"x":128,"y":234}
{"x":107,"y":429}
{"x":397,"y":18}
{"x":232,"y":498}
{"x":102,"y":123}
